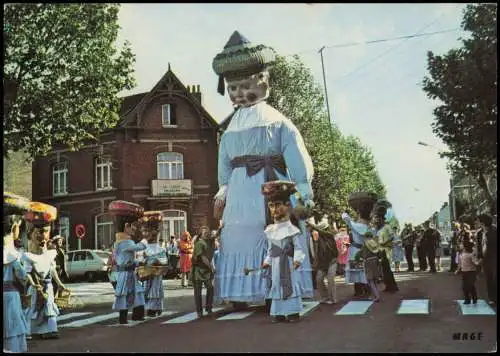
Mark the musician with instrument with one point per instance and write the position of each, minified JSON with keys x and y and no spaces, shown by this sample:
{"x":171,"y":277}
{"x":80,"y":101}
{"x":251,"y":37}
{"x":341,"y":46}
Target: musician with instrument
{"x":129,"y":293}
{"x":155,"y":263}
{"x":15,"y":277}
{"x":285,"y":253}
{"x":385,"y":233}
{"x":40,"y":262}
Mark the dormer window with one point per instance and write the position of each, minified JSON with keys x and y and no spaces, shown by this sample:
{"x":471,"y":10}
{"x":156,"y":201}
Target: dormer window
{"x":168,"y":115}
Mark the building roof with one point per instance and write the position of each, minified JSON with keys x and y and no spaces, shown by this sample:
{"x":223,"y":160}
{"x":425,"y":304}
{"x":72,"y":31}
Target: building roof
{"x":130,"y":102}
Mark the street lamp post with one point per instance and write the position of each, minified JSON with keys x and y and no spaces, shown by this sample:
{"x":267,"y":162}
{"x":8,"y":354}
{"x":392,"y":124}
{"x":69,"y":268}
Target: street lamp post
{"x":326,"y":91}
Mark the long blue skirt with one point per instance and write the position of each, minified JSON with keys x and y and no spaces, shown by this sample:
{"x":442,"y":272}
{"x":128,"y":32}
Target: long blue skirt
{"x":15,"y":326}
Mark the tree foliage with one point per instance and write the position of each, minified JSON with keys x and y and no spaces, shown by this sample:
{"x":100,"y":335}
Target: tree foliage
{"x":342,"y":165}
{"x":464,"y":80}
{"x":62,"y":74}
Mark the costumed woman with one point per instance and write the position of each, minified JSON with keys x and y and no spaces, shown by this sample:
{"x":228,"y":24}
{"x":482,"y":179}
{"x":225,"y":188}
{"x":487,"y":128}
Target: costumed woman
{"x":129,"y":292}
{"x":397,"y":250}
{"x":186,"y":247}
{"x":41,"y":264}
{"x":258,"y":145}
{"x":362,"y":203}
{"x":156,"y":256}
{"x":15,"y":277}
{"x":342,"y":240}
{"x":285,"y":253}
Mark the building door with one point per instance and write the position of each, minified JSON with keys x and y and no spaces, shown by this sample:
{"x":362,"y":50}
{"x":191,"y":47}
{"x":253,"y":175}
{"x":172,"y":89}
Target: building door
{"x":174,"y":223}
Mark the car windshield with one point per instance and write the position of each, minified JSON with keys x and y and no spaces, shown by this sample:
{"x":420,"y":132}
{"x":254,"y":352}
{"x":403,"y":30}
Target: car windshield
{"x":102,"y":254}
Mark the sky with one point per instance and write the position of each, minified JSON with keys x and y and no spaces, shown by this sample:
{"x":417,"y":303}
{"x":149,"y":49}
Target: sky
{"x":374,"y":90}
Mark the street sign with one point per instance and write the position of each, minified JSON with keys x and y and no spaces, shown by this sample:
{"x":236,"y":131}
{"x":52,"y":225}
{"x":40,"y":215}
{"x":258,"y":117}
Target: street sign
{"x":80,"y":231}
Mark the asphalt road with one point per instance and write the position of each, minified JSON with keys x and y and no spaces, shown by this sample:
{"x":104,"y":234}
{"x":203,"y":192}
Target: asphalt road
{"x":322,"y":328}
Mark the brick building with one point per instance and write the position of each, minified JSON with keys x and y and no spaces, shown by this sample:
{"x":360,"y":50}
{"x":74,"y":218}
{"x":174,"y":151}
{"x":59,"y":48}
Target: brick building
{"x":162,"y":155}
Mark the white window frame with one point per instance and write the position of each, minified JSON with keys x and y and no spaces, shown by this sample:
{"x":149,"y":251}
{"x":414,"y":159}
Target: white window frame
{"x":65,"y":230}
{"x":101,"y":165}
{"x":166,"y":121}
{"x":176,"y":159}
{"x":61,"y":171}
{"x":98,"y":224}
{"x":170,"y":220}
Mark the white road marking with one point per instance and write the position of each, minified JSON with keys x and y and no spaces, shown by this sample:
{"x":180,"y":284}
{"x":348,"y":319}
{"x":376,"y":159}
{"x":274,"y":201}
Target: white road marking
{"x":236,"y":315}
{"x":71,"y":315}
{"x":137,"y":322}
{"x":89,"y":321}
{"x":481,"y":308}
{"x":187,"y":317}
{"x":355,"y":307}
{"x":414,"y":306}
{"x":308,"y":306}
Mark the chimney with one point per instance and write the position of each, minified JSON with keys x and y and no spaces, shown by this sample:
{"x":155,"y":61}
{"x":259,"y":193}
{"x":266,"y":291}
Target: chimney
{"x":195,"y":91}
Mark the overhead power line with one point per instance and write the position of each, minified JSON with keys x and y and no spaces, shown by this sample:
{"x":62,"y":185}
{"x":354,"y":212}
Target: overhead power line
{"x":351,"y":44}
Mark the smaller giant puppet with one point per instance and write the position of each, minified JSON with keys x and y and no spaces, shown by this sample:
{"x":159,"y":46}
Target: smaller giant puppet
{"x":285,"y":253}
{"x":40,"y":262}
{"x":15,"y":278}
{"x":129,"y":292}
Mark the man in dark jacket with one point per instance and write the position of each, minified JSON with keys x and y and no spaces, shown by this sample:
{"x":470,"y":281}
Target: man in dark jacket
{"x":61,"y":265}
{"x":454,"y":246}
{"x":325,"y":261}
{"x":430,"y":241}
{"x":409,"y":236}
{"x":490,"y":255}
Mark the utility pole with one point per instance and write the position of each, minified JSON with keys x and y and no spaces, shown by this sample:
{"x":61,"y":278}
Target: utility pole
{"x":326,"y":91}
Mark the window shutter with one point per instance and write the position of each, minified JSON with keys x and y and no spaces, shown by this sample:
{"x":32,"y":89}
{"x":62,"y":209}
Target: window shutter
{"x":173,"y":114}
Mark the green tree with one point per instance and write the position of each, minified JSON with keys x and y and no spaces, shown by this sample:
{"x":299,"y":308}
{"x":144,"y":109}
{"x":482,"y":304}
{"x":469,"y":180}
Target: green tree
{"x":342,"y":165}
{"x":464,"y":80}
{"x":62,"y":74}
{"x":17,"y":174}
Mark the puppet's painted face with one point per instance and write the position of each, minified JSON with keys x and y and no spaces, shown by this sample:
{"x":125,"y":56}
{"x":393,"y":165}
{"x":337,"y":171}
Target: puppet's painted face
{"x":248,"y":91}
{"x":280,"y":211}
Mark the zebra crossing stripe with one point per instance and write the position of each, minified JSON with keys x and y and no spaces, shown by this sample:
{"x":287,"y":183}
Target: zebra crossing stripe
{"x":89,"y":321}
{"x":236,"y":315}
{"x":148,"y":318}
{"x":481,"y":308}
{"x":355,"y":307}
{"x":71,"y":315}
{"x":188,"y":317}
{"x":414,"y":306}
{"x":307,"y":307}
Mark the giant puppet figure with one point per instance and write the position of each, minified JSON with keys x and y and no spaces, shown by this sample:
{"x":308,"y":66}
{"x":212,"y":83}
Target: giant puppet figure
{"x":15,"y":277}
{"x":40,"y":262}
{"x":259,"y":145}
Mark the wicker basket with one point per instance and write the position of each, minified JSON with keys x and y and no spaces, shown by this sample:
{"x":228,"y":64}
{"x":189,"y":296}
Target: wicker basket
{"x":62,"y":299}
{"x":149,"y":272}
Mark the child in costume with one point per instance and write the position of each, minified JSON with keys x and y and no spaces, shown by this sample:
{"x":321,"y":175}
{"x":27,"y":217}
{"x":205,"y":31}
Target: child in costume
{"x":285,"y":253}
{"x":129,"y":293}
{"x":258,"y":145}
{"x":154,"y":255}
{"x":362,"y":203}
{"x":369,"y":255}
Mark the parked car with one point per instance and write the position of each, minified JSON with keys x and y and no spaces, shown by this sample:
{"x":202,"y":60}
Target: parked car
{"x":90,"y":264}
